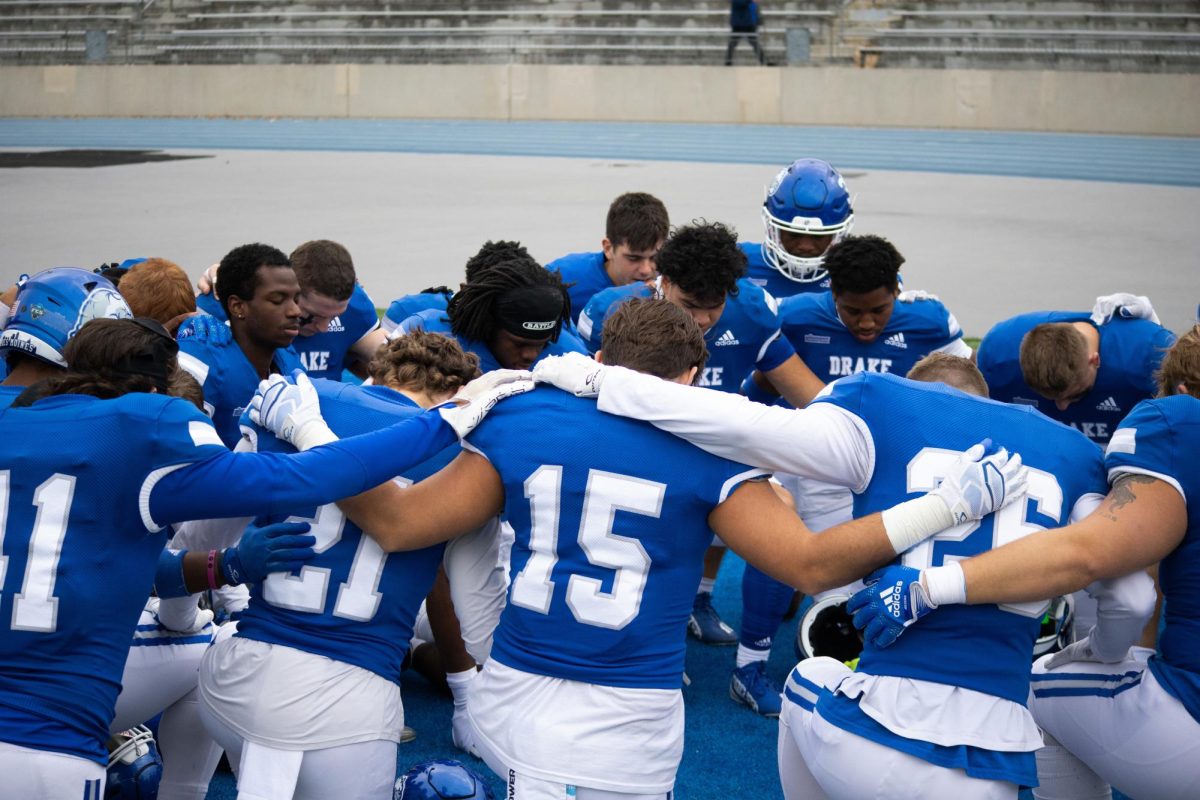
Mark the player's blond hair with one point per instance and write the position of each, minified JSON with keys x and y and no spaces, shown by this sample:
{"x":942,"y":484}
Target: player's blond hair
{"x":1181,"y":365}
{"x":956,"y":371}
{"x":1053,"y":358}
{"x":423,"y":362}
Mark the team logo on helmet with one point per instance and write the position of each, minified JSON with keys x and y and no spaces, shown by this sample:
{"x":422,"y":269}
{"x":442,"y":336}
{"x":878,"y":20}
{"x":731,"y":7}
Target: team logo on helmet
{"x":101,"y":303}
{"x":36,"y":311}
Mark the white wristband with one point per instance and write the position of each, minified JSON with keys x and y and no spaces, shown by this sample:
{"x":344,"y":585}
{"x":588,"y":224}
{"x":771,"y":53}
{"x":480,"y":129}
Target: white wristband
{"x":313,"y":434}
{"x":945,"y":584}
{"x":914,"y":521}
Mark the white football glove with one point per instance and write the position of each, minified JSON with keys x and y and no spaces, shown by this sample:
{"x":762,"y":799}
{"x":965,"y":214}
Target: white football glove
{"x":291,"y":410}
{"x":1076,"y":651}
{"x":980,"y":483}
{"x":573,"y":372}
{"x":467,"y":409}
{"x":1124,"y":305}
{"x":913,"y":295}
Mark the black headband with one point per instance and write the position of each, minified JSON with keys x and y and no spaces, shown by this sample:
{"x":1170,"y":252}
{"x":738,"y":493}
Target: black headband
{"x":152,"y":363}
{"x":531,"y":312}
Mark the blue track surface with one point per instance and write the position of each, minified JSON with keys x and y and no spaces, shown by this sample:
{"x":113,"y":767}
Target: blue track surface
{"x":1123,"y":159}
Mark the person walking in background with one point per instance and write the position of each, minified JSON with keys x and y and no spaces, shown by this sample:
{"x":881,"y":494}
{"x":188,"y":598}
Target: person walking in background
{"x":743,"y":23}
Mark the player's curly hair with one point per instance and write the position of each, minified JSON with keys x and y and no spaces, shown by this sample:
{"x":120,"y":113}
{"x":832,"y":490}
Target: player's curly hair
{"x":103,"y":360}
{"x":862,"y":264}
{"x":472,"y":310}
{"x":422,"y":361}
{"x":1181,"y":365}
{"x":703,"y":260}
{"x":492,"y":253}
{"x":238,"y":273}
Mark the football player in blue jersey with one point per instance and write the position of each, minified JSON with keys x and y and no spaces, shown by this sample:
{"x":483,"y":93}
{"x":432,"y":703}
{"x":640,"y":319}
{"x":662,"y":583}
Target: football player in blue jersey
{"x":807,"y":210}
{"x":514,"y":313}
{"x":936,"y":719}
{"x":438,"y":297}
{"x":305,"y":698}
{"x":260,"y":295}
{"x":1113,"y":714}
{"x":581,"y":693}
{"x":126,"y":461}
{"x":339,"y":327}
{"x":858,"y":326}
{"x":701,"y":269}
{"x":1074,"y":369}
{"x":634,"y":232}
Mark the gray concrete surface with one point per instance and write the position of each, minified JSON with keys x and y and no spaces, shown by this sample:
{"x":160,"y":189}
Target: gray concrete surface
{"x":991,"y":247}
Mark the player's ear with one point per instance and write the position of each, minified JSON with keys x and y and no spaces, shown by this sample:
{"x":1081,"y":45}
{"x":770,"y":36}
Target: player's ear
{"x":1094,"y":360}
{"x":607,"y":247}
{"x":690,"y":376}
{"x":600,"y":358}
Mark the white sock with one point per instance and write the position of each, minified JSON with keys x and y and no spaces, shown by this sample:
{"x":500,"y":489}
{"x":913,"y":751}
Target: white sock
{"x":748,"y":655}
{"x":707,"y":585}
{"x":460,"y":685}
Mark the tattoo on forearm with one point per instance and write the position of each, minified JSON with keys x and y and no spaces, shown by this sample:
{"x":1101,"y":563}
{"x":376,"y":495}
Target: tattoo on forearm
{"x":1122,"y":494}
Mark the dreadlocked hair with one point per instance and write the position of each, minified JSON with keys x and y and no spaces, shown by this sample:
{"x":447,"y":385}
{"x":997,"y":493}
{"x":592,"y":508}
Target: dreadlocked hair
{"x":492,"y":253}
{"x":472,"y":310}
{"x":423,"y":361}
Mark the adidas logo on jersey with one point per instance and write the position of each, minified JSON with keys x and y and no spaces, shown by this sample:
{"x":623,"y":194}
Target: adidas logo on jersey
{"x":896,"y":340}
{"x":335,"y":325}
{"x":1108,"y":404}
{"x":725,"y":339}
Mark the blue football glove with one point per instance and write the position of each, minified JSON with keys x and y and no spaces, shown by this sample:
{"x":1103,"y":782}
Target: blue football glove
{"x":204,"y":328}
{"x":892,"y":600}
{"x":282,"y":547}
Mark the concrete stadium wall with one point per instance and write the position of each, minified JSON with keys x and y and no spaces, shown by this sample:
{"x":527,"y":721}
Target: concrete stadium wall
{"x":1155,"y":104}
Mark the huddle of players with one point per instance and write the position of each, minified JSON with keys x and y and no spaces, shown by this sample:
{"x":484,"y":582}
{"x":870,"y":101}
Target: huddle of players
{"x":506,"y":314}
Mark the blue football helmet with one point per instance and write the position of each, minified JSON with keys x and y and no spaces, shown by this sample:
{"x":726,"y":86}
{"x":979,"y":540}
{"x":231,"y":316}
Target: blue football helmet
{"x":134,"y":766}
{"x":807,"y":196}
{"x":53,"y":305}
{"x":442,"y":780}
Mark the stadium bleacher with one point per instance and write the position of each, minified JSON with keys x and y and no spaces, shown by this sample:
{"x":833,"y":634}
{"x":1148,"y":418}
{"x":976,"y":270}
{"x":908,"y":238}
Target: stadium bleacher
{"x":1111,"y":35}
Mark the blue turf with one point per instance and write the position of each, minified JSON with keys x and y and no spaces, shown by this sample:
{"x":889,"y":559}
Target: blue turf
{"x":1123,"y":159}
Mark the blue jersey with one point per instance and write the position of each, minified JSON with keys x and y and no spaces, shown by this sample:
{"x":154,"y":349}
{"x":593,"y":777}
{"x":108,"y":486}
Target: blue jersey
{"x":812,"y":325}
{"x":762,"y":274}
{"x":585,"y":275}
{"x":1130,"y":352}
{"x":610,"y":516}
{"x":434,"y":321}
{"x":405,"y":307}
{"x":323,"y":355}
{"x":228,"y":380}
{"x":918,"y":430}
{"x":353,"y":602}
{"x":1162,"y":438}
{"x":745,"y":338}
{"x":80,"y":555}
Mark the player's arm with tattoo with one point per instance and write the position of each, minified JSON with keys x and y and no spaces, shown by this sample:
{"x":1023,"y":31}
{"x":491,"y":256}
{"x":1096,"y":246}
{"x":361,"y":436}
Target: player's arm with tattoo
{"x":1141,"y":520}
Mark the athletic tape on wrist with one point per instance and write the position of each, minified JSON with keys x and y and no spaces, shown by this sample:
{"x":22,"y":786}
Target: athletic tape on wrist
{"x":914,"y":521}
{"x":314,"y":434}
{"x":945,"y":584}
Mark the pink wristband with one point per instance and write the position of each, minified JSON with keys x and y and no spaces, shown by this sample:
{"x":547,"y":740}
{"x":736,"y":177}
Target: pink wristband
{"x":212,"y":569}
